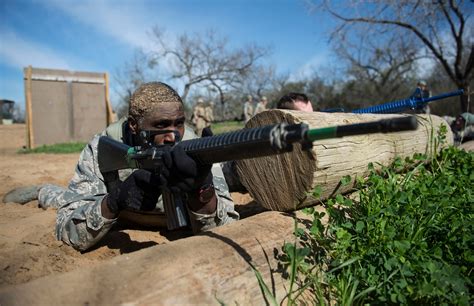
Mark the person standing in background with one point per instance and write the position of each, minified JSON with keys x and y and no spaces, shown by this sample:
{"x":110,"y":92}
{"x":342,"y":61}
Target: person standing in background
{"x":261,"y":106}
{"x":422,"y":92}
{"x":248,"y":108}
{"x":209,"y":114}
{"x":199,"y":116}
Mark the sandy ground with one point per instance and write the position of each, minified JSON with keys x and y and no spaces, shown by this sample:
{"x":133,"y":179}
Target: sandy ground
{"x":28,"y":248}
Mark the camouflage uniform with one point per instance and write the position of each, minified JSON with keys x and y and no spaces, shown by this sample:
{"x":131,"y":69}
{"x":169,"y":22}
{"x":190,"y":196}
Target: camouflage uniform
{"x":248,"y":110}
{"x":79,"y":220}
{"x":199,"y":118}
{"x":261,"y":106}
{"x":421,"y":92}
{"x":466,"y":132}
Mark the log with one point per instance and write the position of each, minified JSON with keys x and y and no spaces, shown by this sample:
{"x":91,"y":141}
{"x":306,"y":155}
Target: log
{"x":467,"y":146}
{"x":206,"y":269}
{"x":284,"y":182}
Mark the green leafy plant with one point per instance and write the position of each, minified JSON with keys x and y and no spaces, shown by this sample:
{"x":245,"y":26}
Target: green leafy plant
{"x":408,"y":238}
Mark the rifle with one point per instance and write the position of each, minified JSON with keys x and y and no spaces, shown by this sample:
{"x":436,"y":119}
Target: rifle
{"x":399,"y":106}
{"x":246,"y":143}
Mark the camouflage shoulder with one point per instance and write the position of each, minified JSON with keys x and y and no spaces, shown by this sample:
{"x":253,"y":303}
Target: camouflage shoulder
{"x":115,"y":130}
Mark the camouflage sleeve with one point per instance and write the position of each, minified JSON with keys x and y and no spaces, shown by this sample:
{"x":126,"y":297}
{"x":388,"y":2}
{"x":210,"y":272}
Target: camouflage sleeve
{"x":225,"y":212}
{"x":79,"y":221}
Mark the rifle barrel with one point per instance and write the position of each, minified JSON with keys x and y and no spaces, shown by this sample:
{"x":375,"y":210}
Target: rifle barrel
{"x":443,"y":96}
{"x":249,"y":143}
{"x":405,"y":104}
{"x":380,"y":126}
{"x":275,"y":139}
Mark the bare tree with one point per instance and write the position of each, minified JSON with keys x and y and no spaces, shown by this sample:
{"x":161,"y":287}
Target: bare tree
{"x":441,"y":27}
{"x":129,"y":78}
{"x":258,"y":80}
{"x":384,"y":70}
{"x":206,"y":59}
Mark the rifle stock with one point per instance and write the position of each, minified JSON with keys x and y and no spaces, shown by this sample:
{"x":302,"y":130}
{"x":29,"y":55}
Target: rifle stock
{"x":114,"y":155}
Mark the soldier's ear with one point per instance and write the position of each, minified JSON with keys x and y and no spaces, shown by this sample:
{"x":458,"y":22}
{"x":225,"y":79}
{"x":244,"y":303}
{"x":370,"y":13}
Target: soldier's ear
{"x":133,"y":125}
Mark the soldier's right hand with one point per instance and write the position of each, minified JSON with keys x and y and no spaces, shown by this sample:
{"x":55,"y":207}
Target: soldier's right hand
{"x":140,"y":191}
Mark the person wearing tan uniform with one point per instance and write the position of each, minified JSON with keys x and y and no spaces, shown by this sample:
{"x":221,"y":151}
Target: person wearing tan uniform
{"x":248,"y":108}
{"x":209,"y":114}
{"x":261,"y":106}
{"x":199,"y":116}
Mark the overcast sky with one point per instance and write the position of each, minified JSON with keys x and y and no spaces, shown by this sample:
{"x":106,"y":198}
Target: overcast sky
{"x":101,"y":36}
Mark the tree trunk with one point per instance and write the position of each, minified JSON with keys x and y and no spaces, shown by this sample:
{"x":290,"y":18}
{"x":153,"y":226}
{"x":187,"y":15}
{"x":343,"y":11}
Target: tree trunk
{"x":184,"y":96}
{"x":206,"y":269}
{"x":465,"y":100}
{"x":283,"y":182}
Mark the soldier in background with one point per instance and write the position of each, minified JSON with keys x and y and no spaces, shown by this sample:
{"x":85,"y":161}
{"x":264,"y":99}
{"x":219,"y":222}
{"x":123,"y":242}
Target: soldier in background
{"x":422,"y":91}
{"x":295,"y":101}
{"x":261,"y":106}
{"x":209,"y":114}
{"x":248,"y":108}
{"x":463,"y":128}
{"x":199,"y":116}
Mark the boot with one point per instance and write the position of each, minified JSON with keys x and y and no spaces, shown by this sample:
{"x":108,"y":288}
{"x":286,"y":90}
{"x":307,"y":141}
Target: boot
{"x":22,"y":195}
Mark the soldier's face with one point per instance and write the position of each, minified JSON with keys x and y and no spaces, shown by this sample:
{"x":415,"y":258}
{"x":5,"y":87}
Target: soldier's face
{"x":459,"y":123}
{"x":164,"y":116}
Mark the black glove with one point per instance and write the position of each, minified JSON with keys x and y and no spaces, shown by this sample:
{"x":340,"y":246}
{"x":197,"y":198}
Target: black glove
{"x":140,"y":191}
{"x":182,"y":173}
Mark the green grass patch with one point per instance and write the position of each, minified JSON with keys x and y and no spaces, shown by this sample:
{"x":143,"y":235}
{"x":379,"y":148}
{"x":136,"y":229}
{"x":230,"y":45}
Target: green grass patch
{"x":59,"y":148}
{"x":227,"y":126}
{"x":76,"y":147}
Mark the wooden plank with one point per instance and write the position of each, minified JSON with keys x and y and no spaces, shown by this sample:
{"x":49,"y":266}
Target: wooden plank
{"x":29,"y":111}
{"x":108,"y":106}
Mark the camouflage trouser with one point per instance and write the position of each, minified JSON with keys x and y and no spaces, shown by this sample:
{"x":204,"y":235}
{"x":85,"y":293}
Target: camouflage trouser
{"x":56,"y":196}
